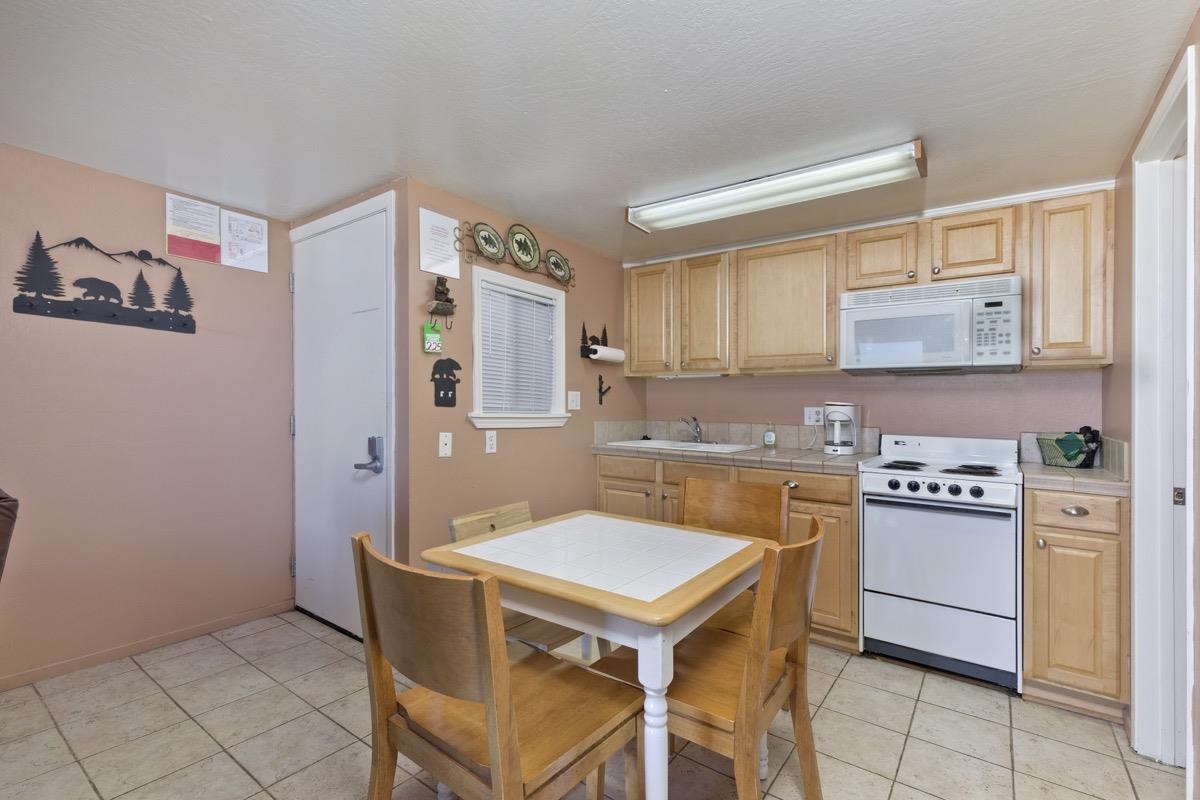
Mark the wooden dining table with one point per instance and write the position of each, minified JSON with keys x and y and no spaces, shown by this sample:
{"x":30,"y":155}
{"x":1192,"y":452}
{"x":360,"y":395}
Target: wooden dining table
{"x":631,"y":581}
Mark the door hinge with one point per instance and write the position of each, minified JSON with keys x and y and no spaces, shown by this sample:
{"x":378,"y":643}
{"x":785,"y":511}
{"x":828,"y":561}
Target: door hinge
{"x":292,"y":282}
{"x":292,"y":566}
{"x":292,"y":424}
{"x":1179,"y":496}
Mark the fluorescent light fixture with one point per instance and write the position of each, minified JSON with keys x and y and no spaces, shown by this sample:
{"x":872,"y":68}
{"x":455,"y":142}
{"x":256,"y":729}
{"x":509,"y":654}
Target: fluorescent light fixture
{"x":864,"y":171}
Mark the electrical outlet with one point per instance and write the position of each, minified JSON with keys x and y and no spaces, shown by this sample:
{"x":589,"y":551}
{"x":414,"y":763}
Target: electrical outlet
{"x":572,"y":401}
{"x":445,"y":444}
{"x":489,"y":441}
{"x":814,"y":415}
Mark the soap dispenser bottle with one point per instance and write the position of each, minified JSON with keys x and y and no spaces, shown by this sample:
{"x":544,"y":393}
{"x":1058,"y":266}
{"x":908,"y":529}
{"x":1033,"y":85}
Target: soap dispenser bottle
{"x":769,"y":435}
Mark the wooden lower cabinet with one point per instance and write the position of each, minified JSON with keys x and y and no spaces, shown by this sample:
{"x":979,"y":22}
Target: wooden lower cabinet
{"x":835,"y":602}
{"x":627,"y":498}
{"x":1076,"y":605}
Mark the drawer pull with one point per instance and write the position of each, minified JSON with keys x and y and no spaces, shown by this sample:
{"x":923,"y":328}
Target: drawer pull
{"x":647,"y":493}
{"x":791,"y":484}
{"x":1076,"y":511}
{"x":1041,"y":543}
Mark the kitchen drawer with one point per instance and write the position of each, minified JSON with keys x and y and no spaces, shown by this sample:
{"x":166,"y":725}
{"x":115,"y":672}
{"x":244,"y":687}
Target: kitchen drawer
{"x":810,"y":485}
{"x":634,"y":469}
{"x":675,"y":472}
{"x":1094,"y":512}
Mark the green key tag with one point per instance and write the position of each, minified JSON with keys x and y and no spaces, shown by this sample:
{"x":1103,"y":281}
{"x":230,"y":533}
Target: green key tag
{"x":432,"y":335}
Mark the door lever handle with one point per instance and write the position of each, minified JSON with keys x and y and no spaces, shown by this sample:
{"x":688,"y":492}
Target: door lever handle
{"x":375,"y":452}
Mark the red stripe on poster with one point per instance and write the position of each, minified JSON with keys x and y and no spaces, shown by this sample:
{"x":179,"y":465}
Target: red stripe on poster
{"x":193,"y":248}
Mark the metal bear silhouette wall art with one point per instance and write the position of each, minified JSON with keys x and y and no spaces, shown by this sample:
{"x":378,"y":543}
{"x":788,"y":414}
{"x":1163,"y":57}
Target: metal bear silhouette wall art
{"x":40,"y":290}
{"x":445,"y":382}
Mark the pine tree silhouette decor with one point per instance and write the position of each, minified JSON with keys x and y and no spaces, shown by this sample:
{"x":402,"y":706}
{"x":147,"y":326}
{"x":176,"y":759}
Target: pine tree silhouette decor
{"x":141,"y":296}
{"x":178,"y":297}
{"x":39,"y":275}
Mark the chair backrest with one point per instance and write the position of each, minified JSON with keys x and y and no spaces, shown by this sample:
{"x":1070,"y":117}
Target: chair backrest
{"x":490,"y":519}
{"x":750,"y":509}
{"x":8,"y":521}
{"x":430,"y":626}
{"x":782,"y":612}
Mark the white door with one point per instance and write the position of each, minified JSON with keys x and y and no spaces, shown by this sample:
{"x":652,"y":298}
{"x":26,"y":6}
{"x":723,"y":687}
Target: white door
{"x":343,"y":378}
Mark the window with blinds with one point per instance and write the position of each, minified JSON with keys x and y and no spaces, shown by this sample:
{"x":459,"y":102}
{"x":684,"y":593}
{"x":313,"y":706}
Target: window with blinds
{"x":519,"y":352}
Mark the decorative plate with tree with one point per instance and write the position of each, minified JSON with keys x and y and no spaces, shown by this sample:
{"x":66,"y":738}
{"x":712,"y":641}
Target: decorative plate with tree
{"x":524,"y":247}
{"x":488,"y":241}
{"x":558,"y":266}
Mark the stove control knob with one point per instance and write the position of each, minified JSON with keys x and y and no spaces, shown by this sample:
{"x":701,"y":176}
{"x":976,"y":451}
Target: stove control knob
{"x":933,"y":488}
{"x":913,"y":486}
{"x":894,"y":485}
{"x":954,"y":489}
{"x":977,"y":492}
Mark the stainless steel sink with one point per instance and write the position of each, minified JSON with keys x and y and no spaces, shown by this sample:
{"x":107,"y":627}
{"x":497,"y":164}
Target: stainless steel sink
{"x":700,"y":447}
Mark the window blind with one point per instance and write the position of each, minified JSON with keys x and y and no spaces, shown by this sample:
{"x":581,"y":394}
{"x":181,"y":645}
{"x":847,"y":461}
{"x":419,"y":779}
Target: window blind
{"x":518,"y":351}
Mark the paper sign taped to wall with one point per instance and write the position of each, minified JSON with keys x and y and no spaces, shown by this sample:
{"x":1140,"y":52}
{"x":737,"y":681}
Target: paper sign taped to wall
{"x":193,"y":229}
{"x":437,"y":244}
{"x":243,"y":241}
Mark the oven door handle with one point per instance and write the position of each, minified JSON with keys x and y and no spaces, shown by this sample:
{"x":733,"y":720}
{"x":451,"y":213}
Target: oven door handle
{"x":960,"y":510}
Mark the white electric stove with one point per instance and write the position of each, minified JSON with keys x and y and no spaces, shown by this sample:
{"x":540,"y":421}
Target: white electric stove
{"x":941,"y":555}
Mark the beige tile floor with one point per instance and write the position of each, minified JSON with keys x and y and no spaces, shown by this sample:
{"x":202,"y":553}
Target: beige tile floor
{"x":277,"y":708}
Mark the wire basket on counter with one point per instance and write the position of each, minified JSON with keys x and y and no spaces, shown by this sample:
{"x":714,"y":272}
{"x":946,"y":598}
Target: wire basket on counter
{"x":1068,"y":449}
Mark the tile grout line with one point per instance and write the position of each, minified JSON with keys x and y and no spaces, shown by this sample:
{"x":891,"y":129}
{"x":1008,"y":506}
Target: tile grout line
{"x":57,"y":729}
{"x":1125,"y":763}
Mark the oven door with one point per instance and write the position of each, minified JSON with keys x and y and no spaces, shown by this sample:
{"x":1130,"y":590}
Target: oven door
{"x":907,"y":336}
{"x":957,"y":556}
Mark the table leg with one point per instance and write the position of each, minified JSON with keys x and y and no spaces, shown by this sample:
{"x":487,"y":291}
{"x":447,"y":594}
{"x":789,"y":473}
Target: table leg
{"x":656,"y":667}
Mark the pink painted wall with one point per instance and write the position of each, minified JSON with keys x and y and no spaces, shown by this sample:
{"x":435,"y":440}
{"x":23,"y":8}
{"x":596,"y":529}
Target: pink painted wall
{"x":954,"y":405}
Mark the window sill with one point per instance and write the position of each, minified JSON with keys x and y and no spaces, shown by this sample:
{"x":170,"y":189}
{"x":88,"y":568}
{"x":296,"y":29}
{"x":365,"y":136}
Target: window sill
{"x":481,"y":420}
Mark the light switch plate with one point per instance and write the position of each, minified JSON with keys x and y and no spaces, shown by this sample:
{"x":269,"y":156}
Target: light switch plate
{"x":489,"y":441}
{"x":814,"y":415}
{"x":572,"y":401}
{"x":445,"y":444}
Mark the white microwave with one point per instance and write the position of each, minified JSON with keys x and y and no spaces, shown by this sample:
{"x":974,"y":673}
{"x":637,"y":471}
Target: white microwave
{"x":970,"y":325}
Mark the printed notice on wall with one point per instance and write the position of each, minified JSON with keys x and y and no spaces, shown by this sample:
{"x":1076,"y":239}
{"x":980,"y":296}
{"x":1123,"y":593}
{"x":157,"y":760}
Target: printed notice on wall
{"x":193,"y":229}
{"x":437,"y":244}
{"x":243,"y":241}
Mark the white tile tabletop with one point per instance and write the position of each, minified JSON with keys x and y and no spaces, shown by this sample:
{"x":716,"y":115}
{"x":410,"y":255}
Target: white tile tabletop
{"x":639,"y":560}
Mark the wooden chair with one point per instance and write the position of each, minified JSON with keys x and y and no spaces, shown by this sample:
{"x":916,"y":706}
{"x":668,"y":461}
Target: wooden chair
{"x":484,"y":725}
{"x":539,"y":633}
{"x":8,"y":521}
{"x":751,"y":509}
{"x":728,"y":688}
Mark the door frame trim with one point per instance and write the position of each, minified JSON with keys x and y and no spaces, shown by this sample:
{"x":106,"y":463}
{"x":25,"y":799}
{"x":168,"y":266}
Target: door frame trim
{"x":385,"y":203}
{"x":1171,"y":126}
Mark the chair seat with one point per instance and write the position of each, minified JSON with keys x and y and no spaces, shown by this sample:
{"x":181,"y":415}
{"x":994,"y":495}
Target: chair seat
{"x":708,"y":674}
{"x":560,"y":710}
{"x":515,"y":619}
{"x":736,"y":616}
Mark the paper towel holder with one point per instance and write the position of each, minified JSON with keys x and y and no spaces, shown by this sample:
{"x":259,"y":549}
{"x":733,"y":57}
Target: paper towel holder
{"x":586,"y":343}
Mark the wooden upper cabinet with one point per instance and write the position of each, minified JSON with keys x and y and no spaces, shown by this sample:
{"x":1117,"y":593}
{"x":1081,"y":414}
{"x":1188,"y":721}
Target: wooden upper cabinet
{"x":973,"y":244}
{"x":703,"y":331}
{"x":1070,"y":286}
{"x":882,"y":257}
{"x":787,"y":306}
{"x":648,"y":319}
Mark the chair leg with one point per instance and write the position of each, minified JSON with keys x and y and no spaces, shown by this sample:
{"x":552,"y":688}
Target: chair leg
{"x":585,"y":646}
{"x":745,"y":772}
{"x":595,"y":784}
{"x":806,"y":749}
{"x":383,"y":768}
{"x":762,"y":758}
{"x":635,"y":787}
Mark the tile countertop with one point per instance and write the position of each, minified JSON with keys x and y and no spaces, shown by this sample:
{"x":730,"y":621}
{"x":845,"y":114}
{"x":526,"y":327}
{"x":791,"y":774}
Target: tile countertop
{"x":1037,"y":476}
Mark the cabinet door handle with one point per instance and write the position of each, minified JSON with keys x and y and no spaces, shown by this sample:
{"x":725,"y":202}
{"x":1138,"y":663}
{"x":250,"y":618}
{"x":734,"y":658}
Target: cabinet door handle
{"x":829,"y":358}
{"x":664,"y":497}
{"x":937,"y":270}
{"x":667,"y":364}
{"x":1076,"y":511}
{"x":791,"y":484}
{"x":1041,"y":543}
{"x":1037,"y":351}
{"x":647,"y":493}
{"x":911,"y":274}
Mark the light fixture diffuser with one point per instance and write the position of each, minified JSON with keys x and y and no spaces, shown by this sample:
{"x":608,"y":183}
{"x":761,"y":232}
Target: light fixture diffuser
{"x":877,"y":168}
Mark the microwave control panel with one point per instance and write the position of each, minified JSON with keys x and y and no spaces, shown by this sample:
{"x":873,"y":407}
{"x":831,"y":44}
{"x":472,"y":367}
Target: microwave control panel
{"x":997,"y":335}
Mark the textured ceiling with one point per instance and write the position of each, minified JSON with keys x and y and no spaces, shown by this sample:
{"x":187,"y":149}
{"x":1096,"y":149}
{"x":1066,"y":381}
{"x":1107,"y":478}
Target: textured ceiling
{"x":563,"y":113}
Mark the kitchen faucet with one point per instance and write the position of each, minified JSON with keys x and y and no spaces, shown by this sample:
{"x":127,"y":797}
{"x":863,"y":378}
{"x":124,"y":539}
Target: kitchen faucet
{"x":694,"y":427}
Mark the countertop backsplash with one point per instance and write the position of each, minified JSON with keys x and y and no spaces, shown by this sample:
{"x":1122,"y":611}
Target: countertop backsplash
{"x":787,"y":437}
